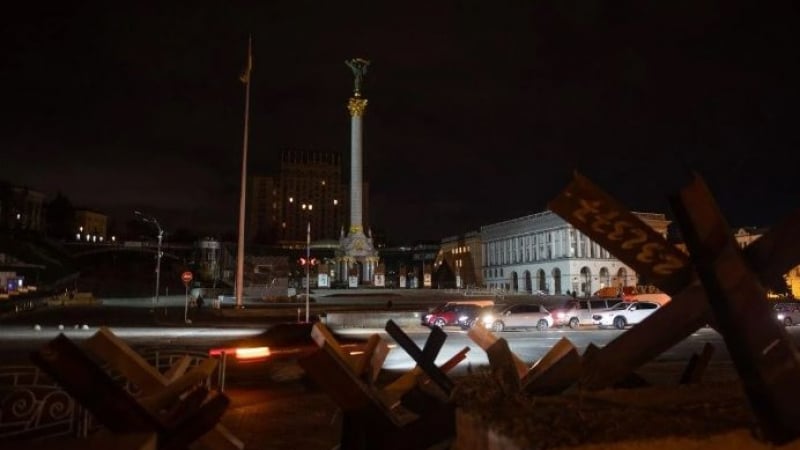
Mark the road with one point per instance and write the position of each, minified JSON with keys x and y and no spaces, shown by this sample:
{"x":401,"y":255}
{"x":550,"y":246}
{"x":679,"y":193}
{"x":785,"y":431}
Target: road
{"x":132,"y":320}
{"x":18,"y":337}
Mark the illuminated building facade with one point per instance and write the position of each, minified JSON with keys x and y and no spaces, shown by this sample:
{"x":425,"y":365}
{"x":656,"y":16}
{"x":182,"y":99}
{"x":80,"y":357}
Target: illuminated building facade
{"x":542,"y":252}
{"x":458,"y":262}
{"x":90,"y":226}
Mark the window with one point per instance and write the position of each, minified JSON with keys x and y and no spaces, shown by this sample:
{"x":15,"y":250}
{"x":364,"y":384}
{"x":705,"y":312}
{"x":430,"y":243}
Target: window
{"x":647,"y":306}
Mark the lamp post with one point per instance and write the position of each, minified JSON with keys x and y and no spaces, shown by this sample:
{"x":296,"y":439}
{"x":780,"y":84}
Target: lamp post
{"x":154,"y":221}
{"x":308,"y":267}
{"x":309,"y":208}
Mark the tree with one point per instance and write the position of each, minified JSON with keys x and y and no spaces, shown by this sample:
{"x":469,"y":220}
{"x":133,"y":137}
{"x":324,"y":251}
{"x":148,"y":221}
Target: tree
{"x":60,"y":218}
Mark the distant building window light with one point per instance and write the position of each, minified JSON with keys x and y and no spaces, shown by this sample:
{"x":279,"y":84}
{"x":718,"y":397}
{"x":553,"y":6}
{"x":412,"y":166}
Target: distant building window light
{"x":113,"y":239}
{"x":77,"y":236}
{"x":101,"y":238}
{"x":323,"y":182}
{"x":291,"y":199}
{"x":335,"y":202}
{"x":19,"y":216}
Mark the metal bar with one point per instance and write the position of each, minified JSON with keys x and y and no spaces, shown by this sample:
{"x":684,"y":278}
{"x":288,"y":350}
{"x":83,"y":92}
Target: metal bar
{"x":427,"y":364}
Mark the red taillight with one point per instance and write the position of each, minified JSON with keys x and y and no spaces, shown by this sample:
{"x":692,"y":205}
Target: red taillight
{"x":220,"y":351}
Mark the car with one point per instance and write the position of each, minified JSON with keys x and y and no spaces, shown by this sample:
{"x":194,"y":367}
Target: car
{"x":624,"y":314}
{"x":448,"y":314}
{"x":471,"y":318}
{"x":788,"y":313}
{"x":576,"y":313}
{"x":518,"y":316}
{"x":280,"y":342}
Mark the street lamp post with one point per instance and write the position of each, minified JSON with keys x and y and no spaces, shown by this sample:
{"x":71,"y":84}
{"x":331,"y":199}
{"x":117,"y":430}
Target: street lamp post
{"x":308,"y":266}
{"x":154,"y":221}
{"x":308,"y":207}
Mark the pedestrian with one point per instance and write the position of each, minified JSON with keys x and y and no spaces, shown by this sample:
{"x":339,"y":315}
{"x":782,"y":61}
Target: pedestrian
{"x":199,"y":301}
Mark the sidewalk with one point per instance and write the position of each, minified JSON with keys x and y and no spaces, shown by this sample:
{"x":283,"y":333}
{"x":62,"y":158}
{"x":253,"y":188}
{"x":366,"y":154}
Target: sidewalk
{"x":289,"y":416}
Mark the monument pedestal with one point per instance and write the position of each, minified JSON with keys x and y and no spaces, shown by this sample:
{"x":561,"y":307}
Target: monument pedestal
{"x":357,"y":256}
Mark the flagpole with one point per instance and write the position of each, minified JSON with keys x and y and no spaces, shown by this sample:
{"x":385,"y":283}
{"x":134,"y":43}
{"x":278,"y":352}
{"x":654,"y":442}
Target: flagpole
{"x":243,"y":194}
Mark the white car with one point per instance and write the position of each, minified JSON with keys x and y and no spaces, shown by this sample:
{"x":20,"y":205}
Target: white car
{"x":788,"y":313}
{"x":624,"y":314}
{"x":523,"y":315}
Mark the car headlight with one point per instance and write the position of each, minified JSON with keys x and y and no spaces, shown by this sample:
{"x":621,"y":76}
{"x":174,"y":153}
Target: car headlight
{"x":488,"y":319}
{"x":463,"y":318}
{"x":781,"y":316}
{"x":560,"y":315}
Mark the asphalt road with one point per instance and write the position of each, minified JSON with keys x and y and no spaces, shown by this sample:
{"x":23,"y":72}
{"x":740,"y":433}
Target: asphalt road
{"x":19,"y":335}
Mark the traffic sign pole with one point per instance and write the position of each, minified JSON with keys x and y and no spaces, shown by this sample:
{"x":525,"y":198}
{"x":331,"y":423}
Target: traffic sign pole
{"x":186,"y":277}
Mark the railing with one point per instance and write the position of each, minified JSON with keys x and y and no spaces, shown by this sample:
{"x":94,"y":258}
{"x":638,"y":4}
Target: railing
{"x":34,"y":407}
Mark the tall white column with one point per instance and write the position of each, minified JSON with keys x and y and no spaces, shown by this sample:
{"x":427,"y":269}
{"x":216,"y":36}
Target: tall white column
{"x":355,"y":173}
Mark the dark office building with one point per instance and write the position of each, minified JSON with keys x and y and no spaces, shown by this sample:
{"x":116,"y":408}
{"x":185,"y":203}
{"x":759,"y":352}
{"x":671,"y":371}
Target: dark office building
{"x":308,"y":188}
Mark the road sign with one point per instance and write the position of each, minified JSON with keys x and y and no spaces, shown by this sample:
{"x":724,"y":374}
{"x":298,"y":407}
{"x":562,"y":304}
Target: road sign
{"x":186,"y":277}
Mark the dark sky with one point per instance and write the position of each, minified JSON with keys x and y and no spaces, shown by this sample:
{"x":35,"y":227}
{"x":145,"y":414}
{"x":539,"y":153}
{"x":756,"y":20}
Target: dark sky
{"x":478,"y":112}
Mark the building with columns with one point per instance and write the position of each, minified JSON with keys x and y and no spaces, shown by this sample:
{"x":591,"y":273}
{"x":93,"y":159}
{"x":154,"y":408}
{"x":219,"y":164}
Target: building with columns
{"x":542,"y":252}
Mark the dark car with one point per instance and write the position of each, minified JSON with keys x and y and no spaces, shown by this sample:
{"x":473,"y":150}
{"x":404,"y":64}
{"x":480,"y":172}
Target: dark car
{"x":449,"y":314}
{"x":281,"y":341}
{"x":472,"y":317}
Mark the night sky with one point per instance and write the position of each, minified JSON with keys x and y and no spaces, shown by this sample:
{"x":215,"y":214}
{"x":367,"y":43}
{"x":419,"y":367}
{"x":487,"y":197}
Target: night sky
{"x":477,"y":112}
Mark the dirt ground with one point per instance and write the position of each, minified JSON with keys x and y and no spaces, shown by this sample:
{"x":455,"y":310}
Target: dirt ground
{"x":711,"y":415}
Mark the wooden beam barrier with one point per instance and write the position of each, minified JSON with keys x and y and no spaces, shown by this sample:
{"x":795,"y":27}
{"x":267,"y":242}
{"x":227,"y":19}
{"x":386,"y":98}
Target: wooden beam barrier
{"x":557,"y":370}
{"x":696,"y":367}
{"x":766,"y":358}
{"x":368,"y":423}
{"x":486,"y":339}
{"x":112,"y":406}
{"x":608,"y":222}
{"x":367,"y":363}
{"x":160,"y":392}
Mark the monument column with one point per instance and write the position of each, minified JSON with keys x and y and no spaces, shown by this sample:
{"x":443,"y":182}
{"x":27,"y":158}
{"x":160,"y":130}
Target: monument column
{"x":356,"y":250}
{"x":356,"y":106}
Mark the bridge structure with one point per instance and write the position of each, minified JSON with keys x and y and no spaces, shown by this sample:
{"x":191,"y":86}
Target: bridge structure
{"x":169,"y":250}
